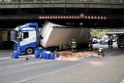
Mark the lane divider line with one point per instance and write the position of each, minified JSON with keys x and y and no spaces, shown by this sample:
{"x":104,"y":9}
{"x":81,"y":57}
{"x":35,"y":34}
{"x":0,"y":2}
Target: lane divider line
{"x":122,"y":81}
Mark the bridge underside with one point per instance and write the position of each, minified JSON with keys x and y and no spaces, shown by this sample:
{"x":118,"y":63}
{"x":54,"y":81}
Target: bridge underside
{"x":106,"y":24}
{"x":86,"y":17}
{"x":61,"y":3}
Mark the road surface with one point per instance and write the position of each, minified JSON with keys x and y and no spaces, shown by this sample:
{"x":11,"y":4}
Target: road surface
{"x":108,"y":69}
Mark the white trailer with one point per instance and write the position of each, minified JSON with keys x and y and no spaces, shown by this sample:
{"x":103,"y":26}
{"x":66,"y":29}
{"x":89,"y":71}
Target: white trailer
{"x":58,"y":35}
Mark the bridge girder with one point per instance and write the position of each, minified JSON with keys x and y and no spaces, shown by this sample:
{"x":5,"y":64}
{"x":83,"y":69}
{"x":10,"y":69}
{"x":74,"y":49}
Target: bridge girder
{"x":61,"y":5}
{"x":16,"y":12}
{"x":84,"y":23}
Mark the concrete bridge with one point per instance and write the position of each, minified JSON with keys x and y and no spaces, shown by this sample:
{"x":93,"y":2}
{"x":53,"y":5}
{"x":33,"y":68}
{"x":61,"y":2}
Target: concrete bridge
{"x":62,"y":3}
{"x":90,"y":13}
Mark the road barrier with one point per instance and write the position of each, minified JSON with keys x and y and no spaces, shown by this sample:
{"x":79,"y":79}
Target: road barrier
{"x":52,"y":56}
{"x":46,"y":54}
{"x":15,"y":54}
{"x":37,"y":54}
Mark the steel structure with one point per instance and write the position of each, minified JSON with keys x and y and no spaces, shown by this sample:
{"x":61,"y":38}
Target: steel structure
{"x":89,"y":13}
{"x":62,"y":3}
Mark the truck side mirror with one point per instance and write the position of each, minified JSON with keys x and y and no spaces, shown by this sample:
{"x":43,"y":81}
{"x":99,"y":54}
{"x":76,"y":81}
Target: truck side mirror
{"x":20,"y":39}
{"x":41,"y":37}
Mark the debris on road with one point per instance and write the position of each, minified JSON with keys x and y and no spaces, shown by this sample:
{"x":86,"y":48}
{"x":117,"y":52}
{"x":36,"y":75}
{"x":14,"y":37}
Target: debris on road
{"x":69,"y":55}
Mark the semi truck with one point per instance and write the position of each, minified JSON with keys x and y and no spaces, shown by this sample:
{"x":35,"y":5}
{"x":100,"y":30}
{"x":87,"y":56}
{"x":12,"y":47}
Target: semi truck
{"x":50,"y":36}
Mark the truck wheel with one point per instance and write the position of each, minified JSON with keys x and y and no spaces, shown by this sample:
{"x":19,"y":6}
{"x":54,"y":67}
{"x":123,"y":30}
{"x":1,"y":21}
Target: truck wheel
{"x":60,"y":48}
{"x":55,"y":49}
{"x":119,"y":46}
{"x":29,"y":51}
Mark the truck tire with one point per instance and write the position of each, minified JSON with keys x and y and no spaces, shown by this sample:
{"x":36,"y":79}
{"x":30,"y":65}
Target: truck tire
{"x":54,"y":49}
{"x":29,"y":51}
{"x":57,"y":48}
{"x":119,"y":46}
{"x":60,"y":48}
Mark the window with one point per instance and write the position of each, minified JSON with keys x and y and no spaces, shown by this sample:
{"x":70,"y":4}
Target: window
{"x":25,"y":35}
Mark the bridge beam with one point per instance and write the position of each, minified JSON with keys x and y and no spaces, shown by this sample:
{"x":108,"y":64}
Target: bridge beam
{"x":61,"y":5}
{"x":77,"y":17}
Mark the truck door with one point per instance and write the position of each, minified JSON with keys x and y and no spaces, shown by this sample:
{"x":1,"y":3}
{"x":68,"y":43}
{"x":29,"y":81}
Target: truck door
{"x":25,"y":37}
{"x":28,"y":39}
{"x":28,"y":42}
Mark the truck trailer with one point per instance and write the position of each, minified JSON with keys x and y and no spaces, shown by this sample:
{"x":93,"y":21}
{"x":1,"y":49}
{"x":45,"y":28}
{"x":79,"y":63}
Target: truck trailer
{"x":5,"y":39}
{"x":51,"y":36}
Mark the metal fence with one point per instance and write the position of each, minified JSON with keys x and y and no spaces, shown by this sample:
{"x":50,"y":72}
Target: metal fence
{"x":63,"y":1}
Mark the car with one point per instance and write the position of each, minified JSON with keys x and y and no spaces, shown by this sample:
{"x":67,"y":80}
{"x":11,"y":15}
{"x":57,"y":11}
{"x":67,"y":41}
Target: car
{"x":95,"y":40}
{"x":104,"y":42}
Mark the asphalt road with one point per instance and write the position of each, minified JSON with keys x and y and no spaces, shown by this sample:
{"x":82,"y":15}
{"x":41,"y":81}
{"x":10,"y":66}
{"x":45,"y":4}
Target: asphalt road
{"x":5,"y":53}
{"x":108,"y":69}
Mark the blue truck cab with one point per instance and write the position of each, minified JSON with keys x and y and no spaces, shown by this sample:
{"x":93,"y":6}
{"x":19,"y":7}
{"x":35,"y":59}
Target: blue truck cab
{"x":26,"y":38}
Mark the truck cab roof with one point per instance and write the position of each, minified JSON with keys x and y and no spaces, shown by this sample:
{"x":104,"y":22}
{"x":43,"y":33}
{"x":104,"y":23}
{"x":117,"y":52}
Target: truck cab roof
{"x":28,"y":26}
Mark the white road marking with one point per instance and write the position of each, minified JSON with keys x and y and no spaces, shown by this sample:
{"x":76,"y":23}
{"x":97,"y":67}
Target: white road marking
{"x":35,"y":62}
{"x":49,"y":73}
{"x":122,"y":81}
{"x":4,"y":58}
